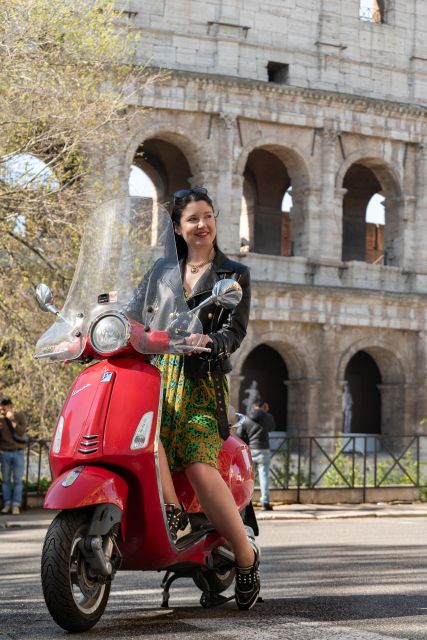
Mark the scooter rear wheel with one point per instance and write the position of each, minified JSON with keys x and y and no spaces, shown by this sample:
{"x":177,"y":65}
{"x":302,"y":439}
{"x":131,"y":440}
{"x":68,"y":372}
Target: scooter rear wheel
{"x":214,"y":581}
{"x":75,"y":598}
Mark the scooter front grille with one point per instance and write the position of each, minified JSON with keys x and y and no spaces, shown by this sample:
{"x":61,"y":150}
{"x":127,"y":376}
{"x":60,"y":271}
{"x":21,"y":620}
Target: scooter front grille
{"x":89,"y":444}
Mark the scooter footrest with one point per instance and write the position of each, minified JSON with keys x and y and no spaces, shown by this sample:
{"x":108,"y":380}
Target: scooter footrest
{"x":192,"y":537}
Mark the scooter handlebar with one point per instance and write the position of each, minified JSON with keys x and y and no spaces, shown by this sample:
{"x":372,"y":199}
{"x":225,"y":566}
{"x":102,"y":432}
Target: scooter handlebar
{"x":189,"y":347}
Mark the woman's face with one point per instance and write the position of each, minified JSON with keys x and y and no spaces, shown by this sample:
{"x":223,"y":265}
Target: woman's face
{"x":197,"y":225}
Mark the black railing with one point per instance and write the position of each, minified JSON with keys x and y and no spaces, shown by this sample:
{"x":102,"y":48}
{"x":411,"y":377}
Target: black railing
{"x":350,"y":461}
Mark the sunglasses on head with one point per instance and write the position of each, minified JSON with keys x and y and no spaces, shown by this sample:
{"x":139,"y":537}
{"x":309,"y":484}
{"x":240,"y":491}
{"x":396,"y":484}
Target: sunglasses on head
{"x":183,"y":193}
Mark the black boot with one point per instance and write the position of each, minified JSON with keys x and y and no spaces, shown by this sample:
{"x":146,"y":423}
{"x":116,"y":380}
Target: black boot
{"x":179,"y":524}
{"x":248,"y":584}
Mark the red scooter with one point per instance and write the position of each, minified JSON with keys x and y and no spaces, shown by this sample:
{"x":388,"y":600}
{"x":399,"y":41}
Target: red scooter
{"x":104,"y":453}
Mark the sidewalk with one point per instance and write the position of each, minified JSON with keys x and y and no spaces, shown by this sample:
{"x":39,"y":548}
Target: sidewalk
{"x":38,"y":518}
{"x":328,"y":512}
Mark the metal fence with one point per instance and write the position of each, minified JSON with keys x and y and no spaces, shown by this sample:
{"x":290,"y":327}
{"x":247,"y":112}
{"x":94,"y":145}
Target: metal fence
{"x":350,"y":461}
{"x":37,"y":475}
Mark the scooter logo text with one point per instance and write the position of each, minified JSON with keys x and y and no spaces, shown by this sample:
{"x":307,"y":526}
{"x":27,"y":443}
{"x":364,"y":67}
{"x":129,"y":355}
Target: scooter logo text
{"x":76,"y":391}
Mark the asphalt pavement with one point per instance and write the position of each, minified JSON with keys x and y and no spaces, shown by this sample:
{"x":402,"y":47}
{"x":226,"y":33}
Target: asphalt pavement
{"x":35,"y":518}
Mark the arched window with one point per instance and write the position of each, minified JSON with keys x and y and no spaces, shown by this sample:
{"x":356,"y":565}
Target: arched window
{"x":361,"y":395}
{"x":364,"y":217}
{"x":264,"y":375}
{"x":273,"y":203}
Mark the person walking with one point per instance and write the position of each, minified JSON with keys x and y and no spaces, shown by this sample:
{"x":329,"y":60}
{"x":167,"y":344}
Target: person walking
{"x":13,"y":426}
{"x":255,"y":430}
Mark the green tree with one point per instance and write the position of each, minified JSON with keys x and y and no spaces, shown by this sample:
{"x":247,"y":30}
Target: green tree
{"x":66,"y":76}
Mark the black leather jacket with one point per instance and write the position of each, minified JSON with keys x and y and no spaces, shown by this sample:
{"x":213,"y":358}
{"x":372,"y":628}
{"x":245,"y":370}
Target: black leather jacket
{"x":158,"y":291}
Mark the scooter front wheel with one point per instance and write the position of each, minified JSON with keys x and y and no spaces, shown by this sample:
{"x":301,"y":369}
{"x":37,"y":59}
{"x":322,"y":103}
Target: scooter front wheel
{"x":76,"y":598}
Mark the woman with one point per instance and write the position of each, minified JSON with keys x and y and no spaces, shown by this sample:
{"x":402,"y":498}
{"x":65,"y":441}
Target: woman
{"x":196,"y":394}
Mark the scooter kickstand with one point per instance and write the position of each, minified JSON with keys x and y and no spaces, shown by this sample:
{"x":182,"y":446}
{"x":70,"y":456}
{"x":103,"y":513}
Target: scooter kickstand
{"x":166,"y":584}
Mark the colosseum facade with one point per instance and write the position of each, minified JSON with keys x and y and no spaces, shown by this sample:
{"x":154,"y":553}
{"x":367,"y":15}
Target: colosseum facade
{"x":324,"y":101}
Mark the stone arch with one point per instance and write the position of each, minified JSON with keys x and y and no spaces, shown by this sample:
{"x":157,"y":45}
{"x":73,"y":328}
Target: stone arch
{"x":176,"y":129}
{"x":362,"y":176}
{"x":268,"y":170}
{"x":392,"y":386}
{"x":301,"y":385}
{"x":361,"y":401}
{"x":294,"y":158}
{"x":264,"y":376}
{"x":390,"y":366}
{"x":298,"y":363}
{"x":387,"y":172}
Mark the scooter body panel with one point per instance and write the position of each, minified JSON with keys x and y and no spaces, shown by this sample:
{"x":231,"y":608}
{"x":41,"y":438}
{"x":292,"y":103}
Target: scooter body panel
{"x":107,"y":404}
{"x":86,"y":486}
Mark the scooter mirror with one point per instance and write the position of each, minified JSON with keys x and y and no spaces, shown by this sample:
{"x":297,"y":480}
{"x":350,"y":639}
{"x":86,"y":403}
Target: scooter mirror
{"x":227,"y":293}
{"x":44,"y":298}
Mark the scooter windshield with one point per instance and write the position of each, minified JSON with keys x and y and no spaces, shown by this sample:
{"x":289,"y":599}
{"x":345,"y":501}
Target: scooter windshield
{"x":127,"y":269}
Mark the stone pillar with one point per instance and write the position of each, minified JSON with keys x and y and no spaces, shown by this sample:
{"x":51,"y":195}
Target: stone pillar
{"x":229,"y":218}
{"x":395,"y":209}
{"x":420,"y":222}
{"x":327,"y":224}
{"x":329,"y":417}
{"x":303,"y":406}
{"x":339,"y":194}
{"x":407,"y":232}
{"x":306,"y":204}
{"x":392,"y":409}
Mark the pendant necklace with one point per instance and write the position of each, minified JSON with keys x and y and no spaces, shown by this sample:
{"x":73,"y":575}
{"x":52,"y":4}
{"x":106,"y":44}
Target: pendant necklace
{"x":194,"y":268}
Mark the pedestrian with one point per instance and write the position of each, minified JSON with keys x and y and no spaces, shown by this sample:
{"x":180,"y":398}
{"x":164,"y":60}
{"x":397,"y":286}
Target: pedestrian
{"x":255,"y":430}
{"x":194,"y":418}
{"x":13,"y":426}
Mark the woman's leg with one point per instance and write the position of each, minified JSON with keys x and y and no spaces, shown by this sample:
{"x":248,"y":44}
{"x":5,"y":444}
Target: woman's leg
{"x":169,"y":493}
{"x":218,"y":504}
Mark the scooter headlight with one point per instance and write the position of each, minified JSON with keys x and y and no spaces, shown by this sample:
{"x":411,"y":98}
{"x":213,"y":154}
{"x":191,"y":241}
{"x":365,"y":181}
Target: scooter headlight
{"x":109,"y":333}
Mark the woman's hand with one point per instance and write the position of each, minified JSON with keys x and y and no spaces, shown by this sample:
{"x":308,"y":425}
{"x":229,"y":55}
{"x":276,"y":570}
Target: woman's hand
{"x":197,"y":340}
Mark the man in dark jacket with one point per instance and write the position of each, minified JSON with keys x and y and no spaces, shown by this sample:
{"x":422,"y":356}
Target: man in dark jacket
{"x":255,"y":432}
{"x":12,"y":444}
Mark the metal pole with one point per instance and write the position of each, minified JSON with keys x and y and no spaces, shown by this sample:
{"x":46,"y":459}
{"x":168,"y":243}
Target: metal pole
{"x":299,"y":470}
{"x":365,"y":455}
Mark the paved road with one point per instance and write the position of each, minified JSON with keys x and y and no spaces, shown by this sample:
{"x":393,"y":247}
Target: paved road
{"x":341,"y":579}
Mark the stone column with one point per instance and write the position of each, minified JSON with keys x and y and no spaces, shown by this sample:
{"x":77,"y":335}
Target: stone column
{"x":399,"y":221}
{"x":229,"y":218}
{"x":329,"y":419}
{"x":303,"y":406}
{"x":327,"y":224}
{"x":420,"y":222}
{"x":392,"y":409}
{"x":306,"y":204}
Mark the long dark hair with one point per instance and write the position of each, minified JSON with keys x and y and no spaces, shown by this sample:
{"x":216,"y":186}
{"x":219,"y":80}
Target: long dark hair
{"x":178,"y":208}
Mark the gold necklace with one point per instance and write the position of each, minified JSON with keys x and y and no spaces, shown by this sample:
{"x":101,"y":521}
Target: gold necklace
{"x":194,"y":268}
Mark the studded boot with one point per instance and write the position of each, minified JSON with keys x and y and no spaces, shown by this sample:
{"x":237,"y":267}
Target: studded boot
{"x":177,"y":518}
{"x":248,"y":583}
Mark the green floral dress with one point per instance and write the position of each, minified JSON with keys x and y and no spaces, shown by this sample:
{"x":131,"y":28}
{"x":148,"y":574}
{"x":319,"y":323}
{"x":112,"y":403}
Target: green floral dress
{"x":189,"y":429}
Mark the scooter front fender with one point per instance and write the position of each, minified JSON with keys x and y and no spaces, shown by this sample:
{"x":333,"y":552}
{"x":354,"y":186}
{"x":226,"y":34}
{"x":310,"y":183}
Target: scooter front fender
{"x":85,"y":486}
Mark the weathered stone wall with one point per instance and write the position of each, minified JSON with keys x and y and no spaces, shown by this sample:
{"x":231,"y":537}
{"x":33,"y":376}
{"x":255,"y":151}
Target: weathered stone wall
{"x":324,"y":42}
{"x":353,"y":97}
